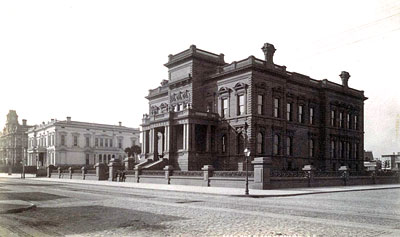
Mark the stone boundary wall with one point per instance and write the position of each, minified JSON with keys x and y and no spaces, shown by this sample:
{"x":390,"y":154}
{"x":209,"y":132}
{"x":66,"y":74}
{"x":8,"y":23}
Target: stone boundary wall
{"x":261,"y":178}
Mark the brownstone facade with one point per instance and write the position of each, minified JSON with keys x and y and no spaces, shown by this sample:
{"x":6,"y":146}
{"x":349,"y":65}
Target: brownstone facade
{"x":208,"y":111}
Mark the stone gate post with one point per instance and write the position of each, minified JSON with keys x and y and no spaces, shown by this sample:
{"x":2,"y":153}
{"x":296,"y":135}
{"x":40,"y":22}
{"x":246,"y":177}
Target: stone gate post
{"x":262,"y":169}
{"x":207,"y":173}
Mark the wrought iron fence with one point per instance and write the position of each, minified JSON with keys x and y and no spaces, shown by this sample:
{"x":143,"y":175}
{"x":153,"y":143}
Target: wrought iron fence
{"x":232,"y":174}
{"x":286,"y":173}
{"x":187,"y":173}
{"x":153,"y":172}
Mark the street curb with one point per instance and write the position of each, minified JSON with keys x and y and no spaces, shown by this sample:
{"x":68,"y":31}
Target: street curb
{"x":309,"y":193}
{"x":238,"y":195}
{"x":19,"y":210}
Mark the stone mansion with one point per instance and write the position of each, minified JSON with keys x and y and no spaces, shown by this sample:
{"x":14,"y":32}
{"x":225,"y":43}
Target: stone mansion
{"x":208,"y":111}
{"x":78,"y":143}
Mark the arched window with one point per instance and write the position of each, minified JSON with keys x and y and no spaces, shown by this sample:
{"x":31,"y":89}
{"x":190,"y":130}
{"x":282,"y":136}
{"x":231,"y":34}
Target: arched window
{"x":260,"y":143}
{"x":223,"y":143}
{"x":276,"y":144}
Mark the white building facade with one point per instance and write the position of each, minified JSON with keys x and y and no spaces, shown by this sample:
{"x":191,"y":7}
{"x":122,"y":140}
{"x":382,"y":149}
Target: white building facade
{"x":78,"y":143}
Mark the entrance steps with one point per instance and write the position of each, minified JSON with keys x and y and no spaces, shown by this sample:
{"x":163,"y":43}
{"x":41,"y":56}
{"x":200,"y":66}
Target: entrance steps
{"x":156,"y":165}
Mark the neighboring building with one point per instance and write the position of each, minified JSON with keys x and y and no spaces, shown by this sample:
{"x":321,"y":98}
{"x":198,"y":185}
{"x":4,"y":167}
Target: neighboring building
{"x":78,"y":143}
{"x":369,"y":161}
{"x":13,"y":140}
{"x":199,"y":115}
{"x":390,"y":162}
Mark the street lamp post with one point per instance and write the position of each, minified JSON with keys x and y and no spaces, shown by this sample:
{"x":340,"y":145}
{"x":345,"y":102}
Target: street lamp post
{"x":246,"y":154}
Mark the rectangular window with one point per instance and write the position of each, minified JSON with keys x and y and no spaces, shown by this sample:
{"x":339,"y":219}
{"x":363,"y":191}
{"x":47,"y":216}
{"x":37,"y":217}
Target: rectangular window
{"x":101,"y":142}
{"x":106,"y":142}
{"x":333,"y":149}
{"x":260,"y":143}
{"x":75,"y":140}
{"x":289,"y":112}
{"x":119,"y":143}
{"x":224,"y":107}
{"x":223,"y":143}
{"x":289,"y":149}
{"x":311,"y":115}
{"x":87,"y":141}
{"x":96,"y":142}
{"x":355,"y":122}
{"x":341,"y":120}
{"x":62,"y":140}
{"x":241,"y":106}
{"x":276,"y":144}
{"x":276,"y":108}
{"x":48,"y":140}
{"x":348,"y":120}
{"x":311,"y":147}
{"x":333,"y":118}
{"x":52,"y":140}
{"x":87,"y":159}
{"x":260,"y":104}
{"x":300,"y":114}
{"x":111,"y":143}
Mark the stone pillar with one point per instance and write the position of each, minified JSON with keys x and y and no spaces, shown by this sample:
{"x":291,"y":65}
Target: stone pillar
{"x":70,"y":172}
{"x":59,"y":172}
{"x":137,"y":174}
{"x":309,"y":169}
{"x":168,"y":172}
{"x":144,"y":142}
{"x":185,"y":137}
{"x":152,"y":140}
{"x":101,"y":171}
{"x":262,"y":168}
{"x":113,"y":167}
{"x":207,"y":173}
{"x":84,"y":171}
{"x":129,"y":163}
{"x":49,"y":170}
{"x":345,"y":173}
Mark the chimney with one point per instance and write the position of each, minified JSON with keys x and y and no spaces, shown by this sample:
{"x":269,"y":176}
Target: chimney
{"x":24,"y":122}
{"x":345,"y":78}
{"x":68,"y":119}
{"x":120,"y":124}
{"x":269,"y":51}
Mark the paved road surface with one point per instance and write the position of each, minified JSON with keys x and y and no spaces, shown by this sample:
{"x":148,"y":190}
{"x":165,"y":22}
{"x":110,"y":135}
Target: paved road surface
{"x":83,"y":210}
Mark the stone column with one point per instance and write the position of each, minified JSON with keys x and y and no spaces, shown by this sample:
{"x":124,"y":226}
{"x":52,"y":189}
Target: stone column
{"x":309,"y":169}
{"x":84,"y":170}
{"x":129,"y":163}
{"x":100,"y":171}
{"x":168,"y":172}
{"x":144,"y":141}
{"x":70,"y":172}
{"x":151,"y":146}
{"x":262,"y":167}
{"x":113,"y":167}
{"x":137,"y":174}
{"x":49,"y":170}
{"x":207,"y":173}
{"x":185,"y":142}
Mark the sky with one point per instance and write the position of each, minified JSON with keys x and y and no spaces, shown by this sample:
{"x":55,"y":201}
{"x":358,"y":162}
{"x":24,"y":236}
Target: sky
{"x":96,"y":60}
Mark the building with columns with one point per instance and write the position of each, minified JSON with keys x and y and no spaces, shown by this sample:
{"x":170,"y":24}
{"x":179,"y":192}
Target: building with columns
{"x":208,"y":111}
{"x":71,"y":142}
{"x":13,"y":140}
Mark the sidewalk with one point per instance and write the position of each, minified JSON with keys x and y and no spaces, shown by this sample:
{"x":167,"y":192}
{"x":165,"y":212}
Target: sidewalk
{"x":238,"y":192}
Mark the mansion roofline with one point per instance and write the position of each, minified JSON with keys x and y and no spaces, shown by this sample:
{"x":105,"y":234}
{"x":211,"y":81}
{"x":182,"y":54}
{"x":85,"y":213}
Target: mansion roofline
{"x":267,"y":65}
{"x":68,"y":122}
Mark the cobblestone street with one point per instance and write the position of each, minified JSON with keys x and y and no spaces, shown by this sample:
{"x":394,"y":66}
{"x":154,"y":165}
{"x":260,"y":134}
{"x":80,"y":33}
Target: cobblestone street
{"x":96,"y":210}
